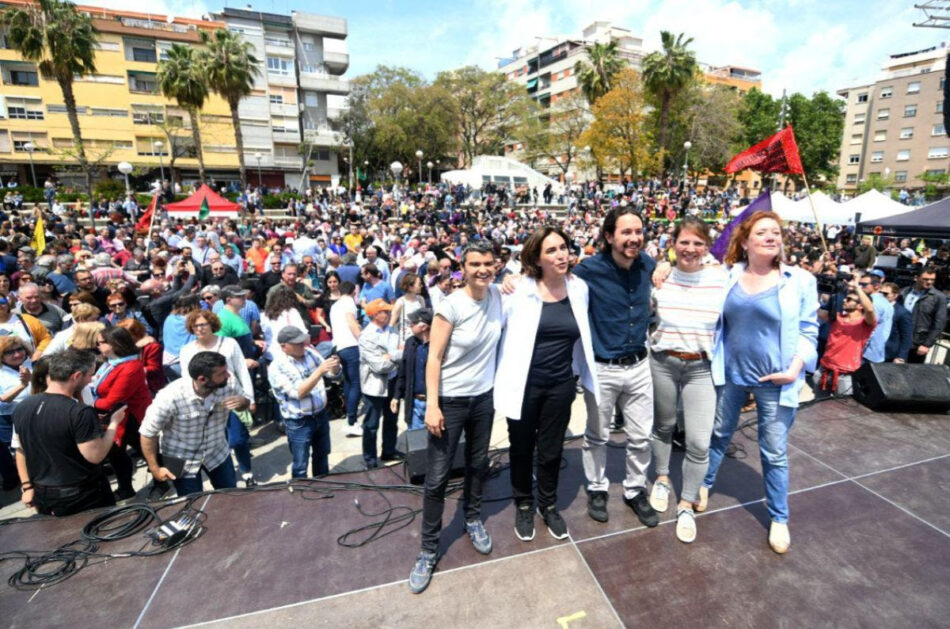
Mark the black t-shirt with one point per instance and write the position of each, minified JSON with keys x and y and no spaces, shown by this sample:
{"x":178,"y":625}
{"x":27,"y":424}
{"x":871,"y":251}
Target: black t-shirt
{"x":554,"y":345}
{"x":50,"y":426}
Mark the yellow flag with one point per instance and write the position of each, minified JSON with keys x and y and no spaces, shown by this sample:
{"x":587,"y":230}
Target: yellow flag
{"x":39,"y":235}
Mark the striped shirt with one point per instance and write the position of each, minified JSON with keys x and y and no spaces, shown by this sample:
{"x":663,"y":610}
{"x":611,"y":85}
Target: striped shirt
{"x":191,"y":428}
{"x":687,"y":308}
{"x":286,"y":374}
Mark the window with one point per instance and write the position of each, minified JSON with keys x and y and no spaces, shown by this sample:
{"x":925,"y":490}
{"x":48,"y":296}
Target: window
{"x":856,"y":138}
{"x":308,"y":46}
{"x":24,"y":109}
{"x":24,"y":77}
{"x":111,"y":46}
{"x":910,"y":111}
{"x":112,"y":113}
{"x":900,"y":176}
{"x":323,"y":155}
{"x":938,"y":129}
{"x":122,"y":144}
{"x":145,"y":55}
{"x":310,"y":99}
{"x":147,"y":117}
{"x":913,"y":87}
{"x":56,"y":109}
{"x":942,"y":81}
{"x":937,"y":171}
{"x":276,"y":99}
{"x":939,"y":106}
{"x":907,"y":133}
{"x":883,"y":114}
{"x":277,"y":65}
{"x":880,"y":136}
{"x":863,"y":98}
{"x":852,"y":178}
{"x":859,"y":118}
{"x":877,"y":156}
{"x":940,"y":152}
{"x":887,"y":92}
{"x":903,"y":156}
{"x":308,"y":68}
{"x":854,"y":159}
{"x":143,"y":83}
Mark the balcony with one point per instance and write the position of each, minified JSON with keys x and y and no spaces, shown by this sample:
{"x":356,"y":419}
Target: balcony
{"x":288,"y":161}
{"x":323,"y":82}
{"x":320,"y":24}
{"x":321,"y":136}
{"x":337,"y":62}
{"x":284,"y":110}
{"x":286,"y":134}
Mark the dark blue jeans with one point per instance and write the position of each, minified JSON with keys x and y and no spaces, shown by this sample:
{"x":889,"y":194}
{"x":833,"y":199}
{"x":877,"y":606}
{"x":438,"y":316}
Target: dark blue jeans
{"x":376,"y":408}
{"x":309,"y":438}
{"x":239,"y":440}
{"x":221,"y":477}
{"x":350,"y":360}
{"x":474,"y":416}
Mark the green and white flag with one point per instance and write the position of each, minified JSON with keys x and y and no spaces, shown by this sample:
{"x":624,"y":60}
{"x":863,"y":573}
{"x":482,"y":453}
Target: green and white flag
{"x":205,"y":211}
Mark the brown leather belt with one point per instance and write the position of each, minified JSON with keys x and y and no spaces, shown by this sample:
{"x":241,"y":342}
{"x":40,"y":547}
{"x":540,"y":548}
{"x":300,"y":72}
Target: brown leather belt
{"x":420,"y":396}
{"x":687,"y":355}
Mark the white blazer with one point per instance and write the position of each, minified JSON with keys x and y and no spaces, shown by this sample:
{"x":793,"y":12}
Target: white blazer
{"x":522,"y":314}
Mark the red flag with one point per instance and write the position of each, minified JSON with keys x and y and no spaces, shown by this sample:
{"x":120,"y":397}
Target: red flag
{"x":146,"y":219}
{"x":778,"y":154}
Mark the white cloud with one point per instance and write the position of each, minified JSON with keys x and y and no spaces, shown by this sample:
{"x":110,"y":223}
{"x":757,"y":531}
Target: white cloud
{"x":516,"y":24}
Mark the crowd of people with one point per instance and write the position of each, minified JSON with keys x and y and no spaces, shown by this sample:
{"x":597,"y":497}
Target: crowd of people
{"x":452,"y":304}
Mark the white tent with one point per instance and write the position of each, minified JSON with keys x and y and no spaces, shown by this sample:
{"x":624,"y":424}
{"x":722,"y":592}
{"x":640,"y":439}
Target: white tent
{"x":781,"y":205}
{"x":873,"y":205}
{"x":500,"y":171}
{"x":829,"y":211}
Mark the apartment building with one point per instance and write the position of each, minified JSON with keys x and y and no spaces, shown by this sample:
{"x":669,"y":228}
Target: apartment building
{"x":286,"y":120}
{"x":122,"y":115}
{"x":894,"y":127}
{"x":738,"y":78}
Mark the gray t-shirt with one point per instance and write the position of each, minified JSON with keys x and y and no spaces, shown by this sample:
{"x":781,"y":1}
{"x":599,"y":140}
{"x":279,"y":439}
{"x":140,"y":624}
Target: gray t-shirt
{"x":468,"y":367}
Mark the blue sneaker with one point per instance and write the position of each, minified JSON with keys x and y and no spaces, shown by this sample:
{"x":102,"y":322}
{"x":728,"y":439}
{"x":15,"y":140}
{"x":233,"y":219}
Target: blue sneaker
{"x":422,"y":572}
{"x":481,"y":540}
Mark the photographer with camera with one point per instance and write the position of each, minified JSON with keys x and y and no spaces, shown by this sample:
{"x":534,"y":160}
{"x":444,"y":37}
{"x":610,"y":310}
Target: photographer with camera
{"x":162,"y":298}
{"x":847,"y":338}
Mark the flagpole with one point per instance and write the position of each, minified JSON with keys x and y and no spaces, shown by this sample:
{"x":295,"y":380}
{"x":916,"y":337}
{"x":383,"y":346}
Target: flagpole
{"x":821,"y":229}
{"x":151,"y":223}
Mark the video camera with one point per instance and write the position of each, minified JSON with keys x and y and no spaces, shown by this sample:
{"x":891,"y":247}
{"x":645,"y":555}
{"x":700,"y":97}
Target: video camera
{"x":831,"y":286}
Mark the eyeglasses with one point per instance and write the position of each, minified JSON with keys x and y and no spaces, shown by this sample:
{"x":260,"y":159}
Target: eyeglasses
{"x":864,"y":284}
{"x":15,"y":350}
{"x":201,"y":325}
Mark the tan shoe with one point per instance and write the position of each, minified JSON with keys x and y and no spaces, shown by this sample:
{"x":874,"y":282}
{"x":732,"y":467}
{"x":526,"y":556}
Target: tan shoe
{"x":779,"y":538}
{"x":660,"y":496}
{"x":700,"y":506}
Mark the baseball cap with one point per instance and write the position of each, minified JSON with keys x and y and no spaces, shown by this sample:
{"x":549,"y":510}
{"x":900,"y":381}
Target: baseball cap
{"x":376,"y":306}
{"x":290,"y":334}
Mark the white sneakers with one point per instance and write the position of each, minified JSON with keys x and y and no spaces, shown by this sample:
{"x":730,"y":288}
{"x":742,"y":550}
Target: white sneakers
{"x":354,"y":431}
{"x":660,"y":496}
{"x":686,"y":526}
{"x":779,"y":537}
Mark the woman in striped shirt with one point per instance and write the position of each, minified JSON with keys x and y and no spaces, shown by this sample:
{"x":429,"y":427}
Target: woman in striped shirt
{"x":687,"y":307}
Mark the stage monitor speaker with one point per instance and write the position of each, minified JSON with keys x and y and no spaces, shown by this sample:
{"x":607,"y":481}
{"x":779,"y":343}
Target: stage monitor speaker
{"x":415,"y":444}
{"x":911,"y":388}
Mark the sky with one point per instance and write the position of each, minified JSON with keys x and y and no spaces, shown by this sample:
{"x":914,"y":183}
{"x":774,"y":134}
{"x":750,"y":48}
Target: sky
{"x":799,"y":45}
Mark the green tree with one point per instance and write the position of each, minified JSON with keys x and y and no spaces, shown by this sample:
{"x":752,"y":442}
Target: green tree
{"x":62,"y":41}
{"x":819,"y":123}
{"x":596,"y":76}
{"x":759,"y":116}
{"x":714,"y":128}
{"x":182,"y":77}
{"x":230,"y":70}
{"x":489,"y":109}
{"x":875,"y":182}
{"x":666,"y":73}
{"x":618,"y":137}
{"x":554,"y":135}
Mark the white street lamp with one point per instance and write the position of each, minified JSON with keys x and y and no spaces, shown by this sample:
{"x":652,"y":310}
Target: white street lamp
{"x":430,"y":165}
{"x":396,"y":168}
{"x":258,"y":156}
{"x":686,"y":145}
{"x":419,"y":155}
{"x":161,"y":164}
{"x":30,"y":147}
{"x":126,"y":168}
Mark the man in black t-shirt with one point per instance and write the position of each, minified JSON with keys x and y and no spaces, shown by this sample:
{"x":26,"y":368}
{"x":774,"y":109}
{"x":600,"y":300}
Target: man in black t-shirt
{"x":61,"y":441}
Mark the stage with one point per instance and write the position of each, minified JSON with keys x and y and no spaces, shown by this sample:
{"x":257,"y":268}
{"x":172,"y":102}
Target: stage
{"x":870,"y":532}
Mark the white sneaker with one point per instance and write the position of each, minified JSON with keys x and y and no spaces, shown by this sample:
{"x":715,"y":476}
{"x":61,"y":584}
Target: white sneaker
{"x":660,"y":496}
{"x":779,"y":537}
{"x":686,"y":526}
{"x":354,"y":431}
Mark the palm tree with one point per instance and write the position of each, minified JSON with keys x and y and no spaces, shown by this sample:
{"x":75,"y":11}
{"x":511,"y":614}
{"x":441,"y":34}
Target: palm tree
{"x":230,"y":69}
{"x":182,"y":77}
{"x":62,"y":41}
{"x":596,"y":77}
{"x":666,"y":73}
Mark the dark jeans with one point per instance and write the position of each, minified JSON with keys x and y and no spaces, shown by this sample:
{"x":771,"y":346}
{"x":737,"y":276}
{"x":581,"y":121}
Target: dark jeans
{"x":545,"y":413}
{"x":119,"y":457}
{"x":309,"y":438}
{"x":350,"y":360}
{"x":379,"y":407}
{"x":7,"y":464}
{"x":221,"y":477}
{"x":239,"y":440}
{"x":60,"y":501}
{"x":473,"y":415}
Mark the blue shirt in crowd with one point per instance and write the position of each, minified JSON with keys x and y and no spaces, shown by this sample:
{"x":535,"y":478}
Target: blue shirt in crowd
{"x":874,"y":352}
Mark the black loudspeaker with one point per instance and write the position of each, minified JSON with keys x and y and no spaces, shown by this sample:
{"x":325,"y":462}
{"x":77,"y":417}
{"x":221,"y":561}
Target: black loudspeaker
{"x":912,"y":388}
{"x":415,"y":444}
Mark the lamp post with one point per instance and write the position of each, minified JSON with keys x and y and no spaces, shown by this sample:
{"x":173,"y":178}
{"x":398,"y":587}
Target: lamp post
{"x":260,"y":179}
{"x":396,"y":167}
{"x":419,"y":157}
{"x":161,"y":164}
{"x":30,"y":147}
{"x":366,"y":171}
{"x":126,"y":168}
{"x":686,"y":145}
{"x":430,"y":165}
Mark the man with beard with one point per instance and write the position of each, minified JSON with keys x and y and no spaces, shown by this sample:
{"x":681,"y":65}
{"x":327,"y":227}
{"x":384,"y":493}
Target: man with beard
{"x":191,"y":415}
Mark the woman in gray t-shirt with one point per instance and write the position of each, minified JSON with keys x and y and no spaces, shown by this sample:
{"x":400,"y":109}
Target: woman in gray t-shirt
{"x":459,"y":374}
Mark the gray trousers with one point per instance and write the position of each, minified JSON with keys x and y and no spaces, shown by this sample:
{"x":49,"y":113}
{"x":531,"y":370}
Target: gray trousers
{"x":631,"y":387}
{"x":691,"y":381}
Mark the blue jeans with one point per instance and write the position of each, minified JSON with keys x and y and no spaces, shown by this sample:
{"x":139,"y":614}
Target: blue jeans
{"x":418,"y":414}
{"x":309,"y":439}
{"x":221,"y":477}
{"x":350,"y":360}
{"x":378,"y":408}
{"x":238,"y":439}
{"x":774,"y":423}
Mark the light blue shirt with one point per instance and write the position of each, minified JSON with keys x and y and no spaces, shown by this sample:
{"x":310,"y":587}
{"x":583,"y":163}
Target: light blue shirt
{"x":9,"y":379}
{"x":751,"y":325}
{"x":874,"y":352}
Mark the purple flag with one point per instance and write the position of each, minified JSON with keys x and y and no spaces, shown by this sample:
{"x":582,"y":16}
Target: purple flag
{"x":763,"y":202}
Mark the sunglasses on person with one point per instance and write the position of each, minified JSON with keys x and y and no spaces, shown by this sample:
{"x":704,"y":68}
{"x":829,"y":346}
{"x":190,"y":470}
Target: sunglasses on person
{"x":15,"y":350}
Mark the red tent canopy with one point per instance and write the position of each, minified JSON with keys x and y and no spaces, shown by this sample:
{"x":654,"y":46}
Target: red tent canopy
{"x":219,"y":206}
